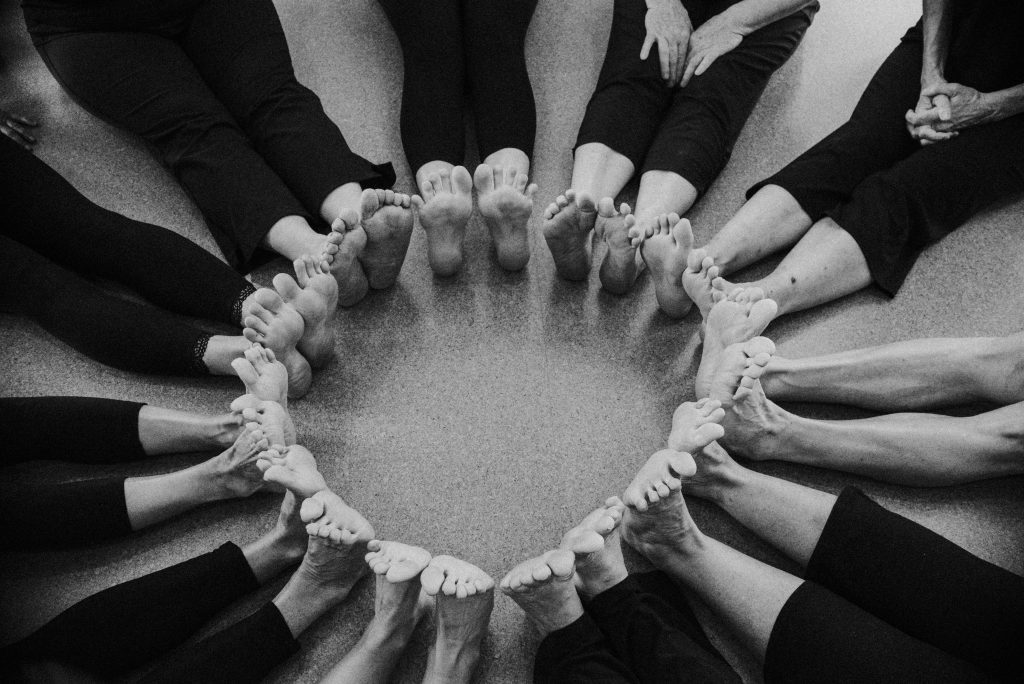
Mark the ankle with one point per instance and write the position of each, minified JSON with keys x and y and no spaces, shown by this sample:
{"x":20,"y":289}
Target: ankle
{"x":222,"y":431}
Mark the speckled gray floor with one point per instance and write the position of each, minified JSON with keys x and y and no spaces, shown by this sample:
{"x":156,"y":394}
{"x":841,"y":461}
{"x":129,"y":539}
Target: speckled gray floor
{"x":482,"y":415}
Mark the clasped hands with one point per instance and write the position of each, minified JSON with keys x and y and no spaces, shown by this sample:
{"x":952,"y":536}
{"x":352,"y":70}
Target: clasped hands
{"x":683,"y":51}
{"x":944,"y":109}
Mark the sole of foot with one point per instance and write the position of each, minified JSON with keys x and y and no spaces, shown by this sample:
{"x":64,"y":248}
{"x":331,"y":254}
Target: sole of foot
{"x":315,"y":296}
{"x":666,"y":253}
{"x":657,"y":523}
{"x":342,"y":250}
{"x":742,"y":315}
{"x":387,"y":220}
{"x":444,"y":206}
{"x":270,"y":415}
{"x":695,"y":424}
{"x":700,"y":271}
{"x":595,"y":545}
{"x":294,"y":468}
{"x":619,"y":269}
{"x":463,"y":600}
{"x":262,"y":374}
{"x":568,"y":222}
{"x":505,"y":198}
{"x":398,"y":605}
{"x":739,"y":367}
{"x":279,"y":327}
{"x":544,"y":588}
{"x":753,"y":424}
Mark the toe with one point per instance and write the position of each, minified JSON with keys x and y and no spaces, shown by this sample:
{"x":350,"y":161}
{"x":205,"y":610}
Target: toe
{"x":483,"y":179}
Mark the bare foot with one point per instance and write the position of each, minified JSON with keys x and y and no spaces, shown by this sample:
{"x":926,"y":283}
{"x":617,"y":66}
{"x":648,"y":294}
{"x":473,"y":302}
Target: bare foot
{"x":387,"y":220}
{"x":398,"y":606}
{"x":695,"y":425}
{"x":343,"y":247}
{"x":739,"y":365}
{"x":262,"y":374}
{"x":666,"y":252}
{"x":278,"y":326}
{"x":543,"y":587}
{"x":567,"y":225}
{"x":663,"y":530}
{"x":658,"y":478}
{"x":595,"y":545}
{"x":396,"y":562}
{"x":506,"y":203}
{"x":716,"y":472}
{"x":444,"y":208}
{"x":700,"y":271}
{"x":742,"y":315}
{"x":235,"y":469}
{"x":315,"y":297}
{"x":464,"y":597}
{"x":620,"y":267}
{"x":272,"y":417}
{"x":754,"y":424}
{"x":294,"y":468}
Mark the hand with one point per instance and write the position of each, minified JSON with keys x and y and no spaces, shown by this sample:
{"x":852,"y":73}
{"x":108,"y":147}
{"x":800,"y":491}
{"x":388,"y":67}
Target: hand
{"x":967,"y":107}
{"x":925,"y":133}
{"x":714,"y":38}
{"x":14,"y":125}
{"x":668,"y":25}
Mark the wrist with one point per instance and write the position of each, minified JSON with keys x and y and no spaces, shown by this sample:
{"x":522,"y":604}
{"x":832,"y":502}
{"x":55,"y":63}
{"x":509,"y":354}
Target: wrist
{"x":738,"y":21}
{"x":931,"y":76}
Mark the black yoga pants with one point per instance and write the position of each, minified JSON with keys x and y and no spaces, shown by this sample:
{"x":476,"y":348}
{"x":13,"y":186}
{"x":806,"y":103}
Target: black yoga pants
{"x":887,"y":600}
{"x":893,"y":196}
{"x":53,"y":239}
{"x":213,"y":90}
{"x":77,"y":429}
{"x":689,"y":131}
{"x":129,"y":625}
{"x":641,"y":631}
{"x":449,"y":47}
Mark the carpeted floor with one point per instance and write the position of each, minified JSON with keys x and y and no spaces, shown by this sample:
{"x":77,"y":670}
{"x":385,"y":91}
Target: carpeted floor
{"x":481,"y":416}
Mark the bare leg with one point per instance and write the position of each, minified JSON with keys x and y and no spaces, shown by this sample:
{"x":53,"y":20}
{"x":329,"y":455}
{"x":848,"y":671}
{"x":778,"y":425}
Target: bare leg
{"x":661,"y":193}
{"x":746,"y":592}
{"x":825,"y":264}
{"x":544,"y":588}
{"x":464,"y":597}
{"x":280,"y":548}
{"x":167,"y":431}
{"x":911,"y":375}
{"x":397,"y":610}
{"x":767,"y":222}
{"x":232,"y":474}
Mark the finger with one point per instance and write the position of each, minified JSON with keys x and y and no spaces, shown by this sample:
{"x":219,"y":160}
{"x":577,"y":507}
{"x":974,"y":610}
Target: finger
{"x":678,"y":63}
{"x":645,"y":51}
{"x":691,"y":65}
{"x":925,"y":118}
{"x":21,"y":131}
{"x":24,"y":120}
{"x":943,"y":107}
{"x":673,"y":64}
{"x":930,"y":134}
{"x":705,"y":63}
{"x":13,"y":135}
{"x":948,"y":89}
{"x":663,"y":56}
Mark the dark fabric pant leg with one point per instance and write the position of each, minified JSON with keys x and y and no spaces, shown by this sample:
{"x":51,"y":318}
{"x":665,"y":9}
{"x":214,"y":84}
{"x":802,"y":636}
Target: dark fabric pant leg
{"x":145,"y":83}
{"x":121,"y":628}
{"x":706,"y":117}
{"x":820,"y":637}
{"x":495,"y":36}
{"x":244,"y":652}
{"x":579,"y":654}
{"x":433,"y":89}
{"x":107,"y":328}
{"x":78,"y":429}
{"x":239,"y":48}
{"x":631,"y":98}
{"x":922,"y":584}
{"x":76,"y":513}
{"x":872,"y":140}
{"x":896,"y":213}
{"x":46,"y":213}
{"x":650,"y":627}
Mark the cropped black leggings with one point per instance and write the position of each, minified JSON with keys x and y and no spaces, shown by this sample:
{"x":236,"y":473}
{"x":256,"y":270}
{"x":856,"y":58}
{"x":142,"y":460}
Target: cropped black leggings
{"x":53,"y":239}
{"x":887,"y":600}
{"x":76,"y":429}
{"x":641,"y":631}
{"x":130,"y":625}
{"x":210,"y":84}
{"x":689,"y":131}
{"x":448,"y":45}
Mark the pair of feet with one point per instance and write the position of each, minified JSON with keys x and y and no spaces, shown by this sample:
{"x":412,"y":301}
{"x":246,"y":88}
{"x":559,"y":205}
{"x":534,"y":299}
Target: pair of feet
{"x":505,"y":199}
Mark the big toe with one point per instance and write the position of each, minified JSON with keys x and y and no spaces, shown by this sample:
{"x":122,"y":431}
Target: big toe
{"x":312,"y":509}
{"x":286,"y":286}
{"x":462,"y":182}
{"x":483,"y":178}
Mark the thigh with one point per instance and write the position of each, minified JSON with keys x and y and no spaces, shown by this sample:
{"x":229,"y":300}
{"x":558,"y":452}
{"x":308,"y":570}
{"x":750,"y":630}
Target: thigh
{"x":497,"y":22}
{"x":820,"y":637}
{"x":427,"y":28}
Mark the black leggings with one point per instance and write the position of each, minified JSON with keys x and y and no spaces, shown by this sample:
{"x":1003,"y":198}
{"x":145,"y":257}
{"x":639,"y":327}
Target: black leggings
{"x":210,"y":84}
{"x":689,"y":131}
{"x":52,"y":238}
{"x":447,"y":44}
{"x":894,"y":196}
{"x":640,"y":631}
{"x":887,"y":600}
{"x":129,"y":625}
{"x":77,"y":429}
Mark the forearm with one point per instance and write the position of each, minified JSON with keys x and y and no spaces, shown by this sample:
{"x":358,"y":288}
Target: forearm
{"x":750,"y":15}
{"x":936,"y":25}
{"x":1008,"y":102}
